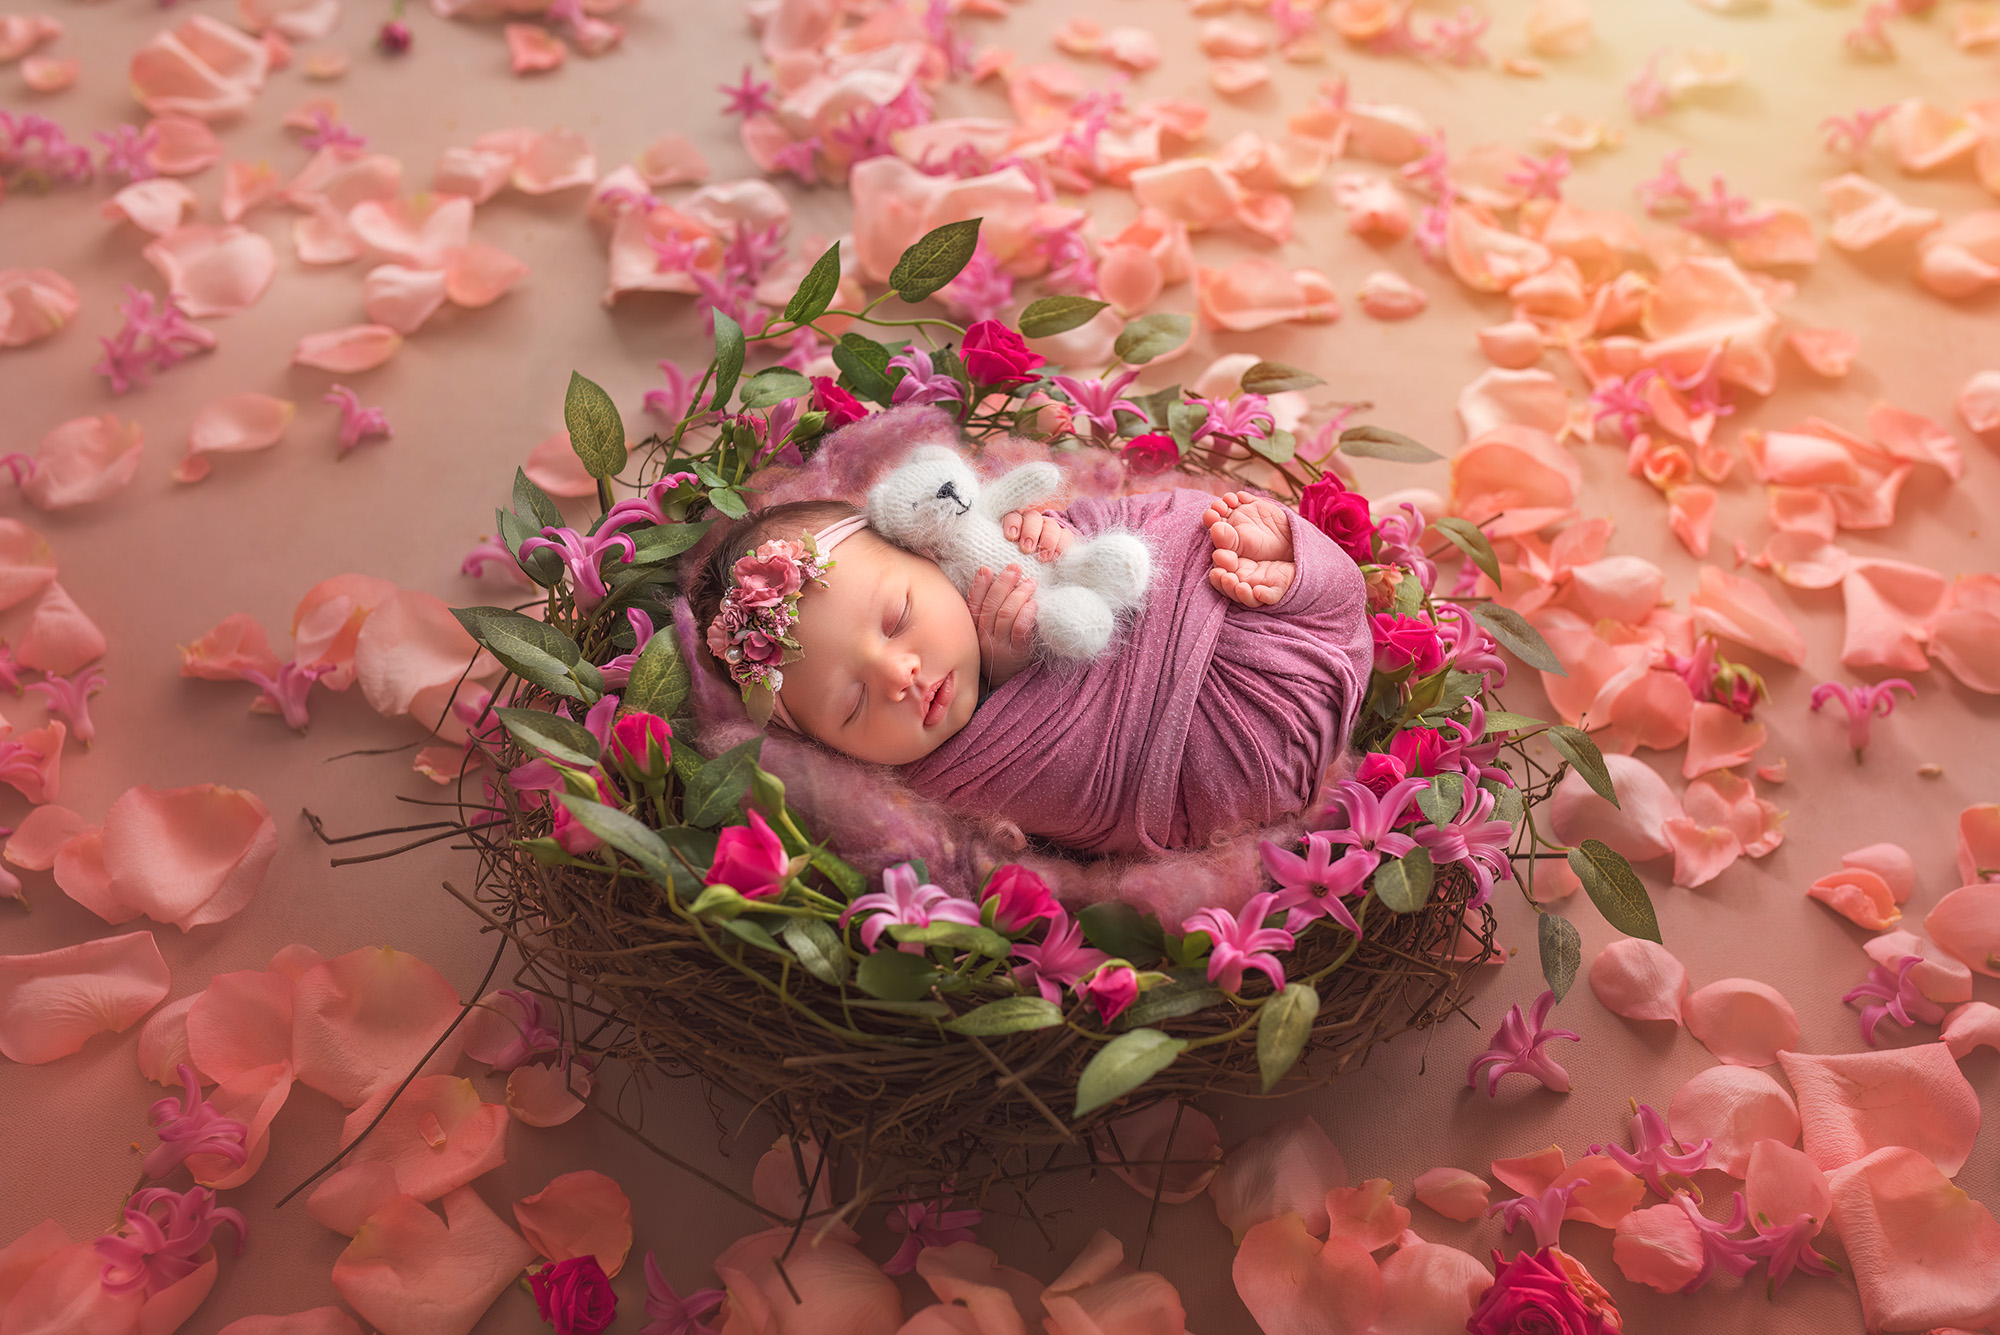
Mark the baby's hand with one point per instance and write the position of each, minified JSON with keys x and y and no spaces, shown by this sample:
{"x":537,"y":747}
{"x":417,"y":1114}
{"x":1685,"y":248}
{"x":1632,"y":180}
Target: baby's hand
{"x":1037,"y":534}
{"x":1003,"y":612}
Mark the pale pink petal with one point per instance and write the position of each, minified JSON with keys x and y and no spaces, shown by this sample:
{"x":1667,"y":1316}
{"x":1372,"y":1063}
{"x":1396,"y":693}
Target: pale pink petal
{"x":50,"y":74}
{"x":1966,"y":638}
{"x":1384,"y":132}
{"x":1853,"y":1104}
{"x":360,"y":347}
{"x":437,"y":1136}
{"x":970,"y":1281}
{"x":1700,"y":304}
{"x":1252,"y":293}
{"x":1454,"y":1192}
{"x":1924,"y":1253}
{"x":1701,"y":852}
{"x":233,"y":424}
{"x":1616,"y":588}
{"x":558,"y":160}
{"x":327,"y":623}
{"x":1925,"y":137}
{"x":245,"y":185}
{"x":1378,"y":210}
{"x":1430,"y":1290}
{"x":1828,"y":352}
{"x":1729,"y":800}
{"x":1517,"y":344}
{"x":323,"y":237}
{"x":1859,"y":895}
{"x":1973,"y":1025}
{"x":839,"y":1291}
{"x":1531,"y":1174}
{"x":1287,"y":1169}
{"x":1658,"y":1246}
{"x":1367,"y":1215}
{"x":163,"y":1043}
{"x":1800,"y":459}
{"x":1940,"y":977}
{"x":315,"y":1321}
{"x":1735,"y":1106}
{"x":1640,"y":980}
{"x":1606,"y":1191}
{"x":406,"y":1270}
{"x":1691,"y":516}
{"x":1785,"y":237}
{"x":1129,"y":278}
{"x":183,"y":146}
{"x":202,"y":68}
{"x":672,"y":160}
{"x":20,"y":1258}
{"x":1782,"y":1183}
{"x":411,"y":655}
{"x":477,"y":274}
{"x":254,"y":1097}
{"x":1636,"y":827}
{"x":361,"y":1020}
{"x":1890,"y":606}
{"x":60,"y":638}
{"x":400,"y":297}
{"x":1135,"y":1138}
{"x":154,"y":205}
{"x":213,"y":270}
{"x":188,"y":856}
{"x":1916,"y":438}
{"x":1742,"y":1021}
{"x":1979,"y":843}
{"x":1487,"y":257}
{"x":300,"y":20}
{"x":51,"y":1004}
{"x":532,"y":48}
{"x":1498,"y":397}
{"x":1516,"y":477}
{"x":1962,"y":257}
{"x":235,"y":644}
{"x":1719,"y":738}
{"x":476,"y":173}
{"x":1732,"y":608}
{"x":421,"y":234}
{"x":1805,"y":560}
{"x":338,"y":178}
{"x":1293,"y":1283}
{"x":1978,"y":401}
{"x":66,"y":1293}
{"x":545,"y":1095}
{"x":1867,"y":215}
{"x":243,"y":1021}
{"x":578,"y":1214}
{"x":1384,"y":295}
{"x":1966,"y":925}
{"x":34,"y":303}
{"x":553,"y":465}
{"x":85,"y":459}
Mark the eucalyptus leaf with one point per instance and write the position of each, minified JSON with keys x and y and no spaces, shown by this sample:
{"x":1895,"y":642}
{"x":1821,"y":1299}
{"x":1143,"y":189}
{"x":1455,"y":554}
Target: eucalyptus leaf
{"x":1518,"y":637}
{"x":1009,"y":1015}
{"x":1467,"y":537}
{"x":1058,"y":315}
{"x":1562,"y":952}
{"x":1276,"y":378}
{"x":662,"y":542}
{"x":955,"y":936}
{"x":729,"y":350}
{"x":1508,"y":805}
{"x":1378,"y":442}
{"x":1151,"y":336}
{"x":1169,"y":1001}
{"x":714,"y":792}
{"x":660,"y":680}
{"x":772,"y":386}
{"x":1443,"y":800}
{"x":1183,"y":420}
{"x":1282,"y":1030}
{"x":1278,"y":447}
{"x":819,"y":949}
{"x":1455,"y":689}
{"x":1499,"y":721}
{"x":1575,"y":746}
{"x":864,"y":364}
{"x":1122,"y":1065}
{"x":890,"y":975}
{"x":934,"y":259}
{"x":1616,"y":889}
{"x":1404,"y":885}
{"x":816,"y":292}
{"x":626,"y":833}
{"x":552,"y":735}
{"x":596,"y":432}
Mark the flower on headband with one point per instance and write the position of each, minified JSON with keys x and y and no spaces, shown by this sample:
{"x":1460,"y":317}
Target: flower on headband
{"x":751,"y":633}
{"x":770,"y":574}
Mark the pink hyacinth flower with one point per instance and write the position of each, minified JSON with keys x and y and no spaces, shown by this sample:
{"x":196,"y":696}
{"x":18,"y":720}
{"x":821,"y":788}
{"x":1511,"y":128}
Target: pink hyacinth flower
{"x":356,"y":422}
{"x":1479,"y":844}
{"x":650,"y":508}
{"x":1655,"y":1154}
{"x":1544,"y":1212}
{"x":1864,"y":705}
{"x":1058,"y":961}
{"x":922,"y":384}
{"x":1242,"y":942}
{"x":1098,"y":401}
{"x":670,"y":1314}
{"x":747,"y":97}
{"x":191,"y":1125}
{"x":1518,"y":1047}
{"x":285,"y":694}
{"x":903,"y":900}
{"x":1739,"y":1256}
{"x":927,"y":1224}
{"x":151,"y":1254}
{"x":1891,"y":993}
{"x":1240,"y":418}
{"x":70,"y":697}
{"x":1789,"y":1248}
{"x":584,"y":556}
{"x":1314,"y":885}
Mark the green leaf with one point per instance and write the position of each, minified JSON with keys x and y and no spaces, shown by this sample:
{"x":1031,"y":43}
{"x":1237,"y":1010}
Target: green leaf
{"x":1282,"y":1030}
{"x":772,"y":386}
{"x":625,"y":833}
{"x":1186,"y":995}
{"x":893,"y":976}
{"x":1378,"y":442}
{"x":1057,"y":315}
{"x":1499,"y":721}
{"x":1443,"y":800}
{"x":1156,"y":404}
{"x":713,"y":793}
{"x":728,"y":501}
{"x":1122,"y":932}
{"x":1183,"y":420}
{"x":542,"y":565}
{"x":1518,"y":637}
{"x":1409,"y":596}
{"x":1009,"y":1015}
{"x":955,"y":936}
{"x":756,"y":934}
{"x":552,"y":735}
{"x":1279,"y":447}
{"x":1122,"y":1065}
{"x":766,"y":796}
{"x":845,"y":878}
{"x":1616,"y":889}
{"x":1467,"y":537}
{"x":1151,"y":336}
{"x":533,"y":504}
{"x":533,"y":650}
{"x":1562,"y":952}
{"x":596,"y":432}
{"x":729,"y":348}
{"x":815,"y":294}
{"x":819,"y":949}
{"x":720,"y":902}
{"x":935,"y":259}
{"x":660,"y":678}
{"x":697,"y":846}
{"x":865,"y":364}
{"x":1575,"y":746}
{"x":1404,"y":886}
{"x":1276,"y":378}
{"x":1508,"y":805}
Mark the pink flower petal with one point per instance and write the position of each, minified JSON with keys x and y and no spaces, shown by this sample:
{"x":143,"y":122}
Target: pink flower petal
{"x":1516,"y":472}
{"x":20,"y":1258}
{"x":553,"y":465}
{"x":1858,"y":895}
{"x":1487,"y":257}
{"x":254,"y":1097}
{"x":1804,"y":560}
{"x":532,"y":48}
{"x":233,"y":424}
{"x":1966,"y":925}
{"x":1979,"y":401}
{"x":65,"y":1292}
{"x":1828,"y":352}
{"x":672,"y":160}
{"x":241,"y":1022}
{"x":1972,"y":1025}
{"x":315,"y":1321}
{"x":1700,"y":304}
{"x":1701,"y":852}
{"x":1735,"y":1106}
{"x":50,"y":74}
{"x":361,"y":1020}
{"x":1966,"y":638}
{"x":402,"y":298}
{"x":421,"y":236}
{"x":1856,"y":1103}
{"x":201,"y":68}
{"x":188,"y":856}
{"x":1292,"y":1282}
{"x":1429,"y":1289}
{"x":1658,"y":1246}
{"x":1732,"y":608}
{"x":51,"y":1004}
{"x":1287,"y":1169}
{"x":27,"y":562}
{"x":85,"y":459}
{"x":245,"y":185}
{"x":323,"y":237}
{"x":547,"y":1095}
{"x":1606,"y":1191}
{"x":327,"y":624}
{"x":1142,"y":1136}
{"x":59,"y":638}
{"x":411,"y":655}
{"x":1454,"y":1193}
{"x":163,"y":1043}
{"x":224,"y":653}
{"x":42,"y":834}
{"x":1940,"y":977}
{"x":1890,"y":606}
{"x":1742,"y":1021}
{"x":406,"y":1270}
{"x":1636,"y":827}
{"x":1640,"y":980}
{"x":1924,"y":1253}
{"x":34,"y":303}
{"x":1916,"y":438}
{"x":437,"y":1136}
{"x":1254,"y":293}
{"x":1499,"y":397}
{"x":154,"y":205}
{"x":477,"y":274}
{"x":1783,"y":1183}
{"x":1531,"y":1174}
{"x":1384,"y":295}
{"x":578,"y":1214}
{"x":360,"y":347}
{"x":1719,"y":738}
{"x":1367,"y":1215}
{"x":338,"y":178}
{"x":183,"y":146}
{"x":1978,"y":843}
{"x":213,"y":270}
{"x":839,"y":1291}
{"x":563,"y":159}
{"x":1723,"y":798}
{"x":1867,"y":214}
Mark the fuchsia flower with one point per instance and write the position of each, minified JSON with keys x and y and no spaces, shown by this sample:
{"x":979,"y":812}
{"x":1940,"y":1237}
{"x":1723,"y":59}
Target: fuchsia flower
{"x":1544,"y":1293}
{"x":922,"y":384}
{"x":330,"y":133}
{"x":1518,"y":1047}
{"x":1059,"y":960}
{"x":650,"y":508}
{"x":155,"y":335}
{"x":1623,"y":398}
{"x":981,"y":291}
{"x":393,"y":37}
{"x":1342,"y":515}
{"x":751,"y":860}
{"x":1242,"y":942}
{"x":584,"y":556}
{"x":1739,"y":1256}
{"x":70,"y":698}
{"x":618,"y":671}
{"x":1544,"y":1212}
{"x":1097,"y":401}
{"x":1151,"y":454}
{"x":574,"y":1296}
{"x":356,"y":422}
{"x":1398,"y":537}
{"x":151,"y":1254}
{"x":747,"y":96}
{"x":902,"y":900}
{"x":1406,"y":642}
{"x":1653,"y":1154}
{"x":1864,"y":705}
{"x":1899,"y":997}
{"x":193,"y":1126}
{"x":800,"y":158}
{"x":1668,"y":189}
{"x":1020,"y":899}
{"x":1314,"y":885}
{"x":927,"y":1224}
{"x":1239,"y":418}
{"x":671,"y":1314}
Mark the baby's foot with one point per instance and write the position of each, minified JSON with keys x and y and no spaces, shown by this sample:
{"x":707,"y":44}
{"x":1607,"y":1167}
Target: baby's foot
{"x":1252,"y":561}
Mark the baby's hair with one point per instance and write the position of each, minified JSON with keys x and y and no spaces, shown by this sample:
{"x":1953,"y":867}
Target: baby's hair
{"x":709,"y":581}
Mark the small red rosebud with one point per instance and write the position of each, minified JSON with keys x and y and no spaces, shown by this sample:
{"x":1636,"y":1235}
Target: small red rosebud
{"x":394,"y":37}
{"x":642,"y":745}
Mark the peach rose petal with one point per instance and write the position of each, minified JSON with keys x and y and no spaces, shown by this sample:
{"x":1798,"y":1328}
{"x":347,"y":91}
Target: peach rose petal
{"x":1719,"y":738}
{"x":1782,"y":1183}
{"x":838,"y":1290}
{"x":188,"y":856}
{"x":1516,"y":345}
{"x":1134,"y":1145}
{"x":1856,"y":1103}
{"x":1978,"y":402}
{"x":1735,"y":1106}
{"x":1367,"y":1215}
{"x":1454,"y":1192}
{"x":163,"y":1043}
{"x":1804,"y":560}
{"x":553,"y":465}
{"x":1858,"y":895}
{"x":1975,"y":1024}
{"x":234,"y":644}
{"x":1701,"y":306}
{"x":255,"y":1098}
{"x":326,"y":624}
{"x":1940,"y":977}
{"x":1727,"y":799}
{"x":1606,"y":1191}
{"x":402,"y":298}
{"x":85,"y":459}
{"x":27,"y":562}
{"x":532,"y":49}
{"x":1890,"y":607}
{"x":1514,"y":479}
{"x":421,"y":236}
{"x":563,"y":159}
{"x":1966,"y":638}
{"x":1255,"y":293}
{"x":412,"y":654}
{"x":51,"y":1004}
{"x":1912,"y":437}
{"x":202,"y":68}
{"x":1499,"y":397}
{"x":233,"y":424}
{"x":153,"y":205}
{"x":1531,"y":1174}
{"x":408,"y":1270}
{"x":672,"y":160}
{"x":1293,"y":1282}
{"x":1428,"y":1289}
{"x":1732,"y":608}
{"x":182,"y":146}
{"x":1636,"y":827}
{"x":547,"y":1095}
{"x":65,"y":1292}
{"x":34,"y":303}
{"x":314,"y":1321}
{"x":361,"y":1020}
{"x":437,"y":1136}
{"x":42,"y":834}
{"x":1966,"y":925}
{"x":243,"y":1021}
{"x":579,"y":1214}
{"x":1287,"y":1169}
{"x":1691,"y":516}
{"x":1826,"y":352}
{"x":245,"y":185}
{"x":1924,"y":1253}
{"x":1742,"y":1021}
{"x":213,"y":270}
{"x":50,"y":74}
{"x":1640,"y":980}
{"x":1658,"y":1246}
{"x":360,"y":347}
{"x":1978,"y":842}
{"x":477,"y":274}
{"x":60,"y":638}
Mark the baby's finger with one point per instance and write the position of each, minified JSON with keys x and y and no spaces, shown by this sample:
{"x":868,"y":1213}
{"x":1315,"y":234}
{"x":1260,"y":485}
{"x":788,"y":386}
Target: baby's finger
{"x":1024,"y":625}
{"x":1027,"y":527}
{"x":1010,"y":608}
{"x":1010,"y":524}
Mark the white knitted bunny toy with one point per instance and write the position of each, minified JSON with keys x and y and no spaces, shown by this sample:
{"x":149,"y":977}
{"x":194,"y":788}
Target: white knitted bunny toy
{"x":934,"y":505}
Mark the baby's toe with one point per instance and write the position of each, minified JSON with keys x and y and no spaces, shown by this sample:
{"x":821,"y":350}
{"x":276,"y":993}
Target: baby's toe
{"x":1223,"y":558}
{"x":1222,"y":534}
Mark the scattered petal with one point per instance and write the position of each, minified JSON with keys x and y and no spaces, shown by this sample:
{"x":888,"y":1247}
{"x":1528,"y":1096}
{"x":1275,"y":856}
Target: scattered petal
{"x":547,"y":1095}
{"x":213,"y":270}
{"x":1136,"y":1143}
{"x":1856,"y":1103}
{"x":360,"y":347}
{"x":1640,"y":980}
{"x":1734,"y":1107}
{"x":1972,"y":1025}
{"x":85,"y":459}
{"x":1291,"y":1281}
{"x":1924,"y":1253}
{"x":360,"y":1021}
{"x":436,"y":1137}
{"x":51,"y":1004}
{"x":1858,"y":895}
{"x":1288,"y":1169}
{"x":1742,"y":1021}
{"x":1966,"y":925}
{"x":579,"y":1214}
{"x":1454,"y":1193}
{"x":233,"y":424}
{"x":406,"y":1270}
{"x":154,"y":205}
{"x":34,"y":303}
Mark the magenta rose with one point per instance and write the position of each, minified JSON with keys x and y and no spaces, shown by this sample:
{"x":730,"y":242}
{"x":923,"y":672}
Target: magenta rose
{"x":1019,"y":899}
{"x":1150,"y":454}
{"x":642,"y":744}
{"x":1406,"y":641}
{"x":1379,"y":773}
{"x":995,"y":355}
{"x":839,"y":406}
{"x":1422,"y":750}
{"x":1112,"y":988}
{"x":750,"y":860}
{"x":1340,"y":514}
{"x":1544,"y":1293}
{"x":574,"y":1296}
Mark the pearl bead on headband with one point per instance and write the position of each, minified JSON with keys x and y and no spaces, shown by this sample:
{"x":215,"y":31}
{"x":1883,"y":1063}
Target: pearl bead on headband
{"x":751,"y":633}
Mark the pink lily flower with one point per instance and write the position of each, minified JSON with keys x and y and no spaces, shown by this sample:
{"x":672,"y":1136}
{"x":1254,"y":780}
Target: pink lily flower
{"x":1059,"y":961}
{"x":670,"y":404}
{"x":1544,"y":1213}
{"x":1739,"y":1256}
{"x":151,"y":1253}
{"x":1518,"y":1047}
{"x":193,"y":1126}
{"x":618,"y":671}
{"x":650,"y":508}
{"x":1900,"y":998}
{"x":922,"y":384}
{"x":902,"y":900}
{"x":1242,"y":942}
{"x":285,"y":694}
{"x":1480,"y":844}
{"x":1653,"y":1154}
{"x":1722,"y":216}
{"x":356,"y":422}
{"x":155,"y":335}
{"x":1314,"y":885}
{"x":1790,"y":1248}
{"x":1238,"y":418}
{"x":1864,"y":705}
{"x":1469,"y":646}
{"x":1098,"y":400}
{"x":670,"y":1314}
{"x":583,"y":556}
{"x":70,"y":697}
{"x":928,"y":1224}
{"x":747,"y":96}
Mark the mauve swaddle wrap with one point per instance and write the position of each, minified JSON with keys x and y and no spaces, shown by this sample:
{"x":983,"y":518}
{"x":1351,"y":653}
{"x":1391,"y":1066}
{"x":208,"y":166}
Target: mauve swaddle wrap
{"x":1205,"y":718}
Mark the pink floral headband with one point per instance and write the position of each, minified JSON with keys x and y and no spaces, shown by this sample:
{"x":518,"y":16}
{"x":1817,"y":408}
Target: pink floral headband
{"x":752,"y":631}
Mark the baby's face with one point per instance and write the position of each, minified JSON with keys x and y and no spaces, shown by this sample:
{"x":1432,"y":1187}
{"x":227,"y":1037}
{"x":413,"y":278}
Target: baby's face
{"x":891,"y":665}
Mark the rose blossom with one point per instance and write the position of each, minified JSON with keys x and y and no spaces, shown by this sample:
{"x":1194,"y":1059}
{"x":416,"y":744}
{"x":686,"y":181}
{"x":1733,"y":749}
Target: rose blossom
{"x":1340,"y":514}
{"x":1405,"y":641}
{"x":1150,"y":454}
{"x":1420,"y":749}
{"x":1112,"y":988}
{"x":1381,"y":772}
{"x":1382,"y":582}
{"x":574,"y":1296}
{"x":634,"y":739}
{"x":839,"y":406}
{"x":1544,"y":1293}
{"x":1019,"y":898}
{"x":771,"y":574}
{"x":750,"y":859}
{"x":996,"y":355}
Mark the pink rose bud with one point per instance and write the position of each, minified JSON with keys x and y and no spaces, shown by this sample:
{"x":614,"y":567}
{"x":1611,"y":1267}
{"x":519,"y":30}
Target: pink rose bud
{"x":750,"y":859}
{"x":394,"y":37}
{"x":1112,"y":988}
{"x":1019,"y":899}
{"x":642,"y":744}
{"x":570,"y":833}
{"x":1150,"y":454}
{"x":839,"y":406}
{"x":996,"y":355}
{"x":574,"y":1296}
{"x":1405,"y":641}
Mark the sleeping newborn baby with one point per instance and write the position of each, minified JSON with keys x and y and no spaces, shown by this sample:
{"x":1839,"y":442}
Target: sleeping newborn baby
{"x":1216,"y":709}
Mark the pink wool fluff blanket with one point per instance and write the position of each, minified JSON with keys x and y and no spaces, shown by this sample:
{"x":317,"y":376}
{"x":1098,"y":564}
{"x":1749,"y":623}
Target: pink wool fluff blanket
{"x":875,"y":819}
